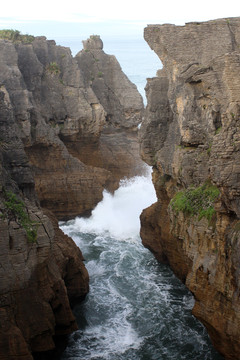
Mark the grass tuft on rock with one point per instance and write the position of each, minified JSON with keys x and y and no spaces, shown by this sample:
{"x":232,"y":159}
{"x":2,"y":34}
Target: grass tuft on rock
{"x":15,"y":208}
{"x":53,"y":68}
{"x":16,"y":36}
{"x":196,"y":201}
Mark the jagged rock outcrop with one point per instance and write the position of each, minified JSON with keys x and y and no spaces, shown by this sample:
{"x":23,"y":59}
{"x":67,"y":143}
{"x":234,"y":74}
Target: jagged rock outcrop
{"x":44,"y":86}
{"x":63,"y":123}
{"x":118,"y":146}
{"x":190,"y":136}
{"x":41,"y":269}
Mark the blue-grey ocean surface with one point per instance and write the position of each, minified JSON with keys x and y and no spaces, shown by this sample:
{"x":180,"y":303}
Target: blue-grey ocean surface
{"x":136,"y":308}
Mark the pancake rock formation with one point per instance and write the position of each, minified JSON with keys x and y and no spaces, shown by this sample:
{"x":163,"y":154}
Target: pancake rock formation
{"x":74,"y":148}
{"x":190,"y":136}
{"x":118,"y":147}
{"x":41,"y":269}
{"x":59,"y":150}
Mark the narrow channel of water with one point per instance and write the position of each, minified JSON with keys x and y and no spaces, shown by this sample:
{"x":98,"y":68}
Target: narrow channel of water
{"x":136,"y":308}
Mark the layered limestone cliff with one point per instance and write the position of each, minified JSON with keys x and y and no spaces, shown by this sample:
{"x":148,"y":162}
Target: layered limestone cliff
{"x":58,"y":153}
{"x":74,"y":151}
{"x":118,"y":145}
{"x":41,"y":269}
{"x":190,"y":136}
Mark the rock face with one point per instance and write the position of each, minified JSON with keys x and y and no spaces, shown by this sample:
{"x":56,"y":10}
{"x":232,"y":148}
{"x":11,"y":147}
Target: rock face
{"x":190,"y":136}
{"x":41,"y":269}
{"x":57,"y":154}
{"x":118,"y":147}
{"x":73,"y":150}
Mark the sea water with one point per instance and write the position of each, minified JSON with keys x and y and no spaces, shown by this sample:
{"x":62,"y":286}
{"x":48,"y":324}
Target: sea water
{"x":136,"y":308}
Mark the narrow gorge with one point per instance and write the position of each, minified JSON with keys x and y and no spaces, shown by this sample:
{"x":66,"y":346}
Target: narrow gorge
{"x":70,"y":129}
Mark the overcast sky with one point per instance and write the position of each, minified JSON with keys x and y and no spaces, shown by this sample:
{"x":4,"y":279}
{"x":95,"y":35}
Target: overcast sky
{"x":118,"y":17}
{"x":119,"y":23}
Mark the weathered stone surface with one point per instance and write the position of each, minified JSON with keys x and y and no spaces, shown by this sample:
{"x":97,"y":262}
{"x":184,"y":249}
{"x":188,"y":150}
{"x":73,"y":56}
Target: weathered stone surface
{"x":118,"y":147}
{"x":47,"y":95}
{"x":38,"y":279}
{"x":74,"y":150}
{"x":54,"y":138}
{"x":190,"y":136}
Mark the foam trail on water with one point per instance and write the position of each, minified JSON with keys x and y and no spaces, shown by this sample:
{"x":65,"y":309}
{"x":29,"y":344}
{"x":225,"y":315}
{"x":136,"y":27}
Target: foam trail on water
{"x":136,"y":309}
{"x":118,"y":214}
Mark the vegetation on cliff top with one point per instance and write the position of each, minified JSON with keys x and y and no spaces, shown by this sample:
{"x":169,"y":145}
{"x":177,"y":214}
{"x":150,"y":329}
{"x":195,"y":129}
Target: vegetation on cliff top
{"x":16,"y":36}
{"x":196,"y":201}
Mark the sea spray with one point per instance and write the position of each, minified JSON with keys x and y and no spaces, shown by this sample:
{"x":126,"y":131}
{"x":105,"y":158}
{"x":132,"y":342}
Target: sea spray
{"x":118,"y":215}
{"x":136,"y":309}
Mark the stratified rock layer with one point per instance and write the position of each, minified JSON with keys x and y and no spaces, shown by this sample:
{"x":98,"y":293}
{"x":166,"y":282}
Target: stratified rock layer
{"x":64,"y":119}
{"x":190,"y":136}
{"x":54,"y":138}
{"x":118,"y":146}
{"x":38,"y":277}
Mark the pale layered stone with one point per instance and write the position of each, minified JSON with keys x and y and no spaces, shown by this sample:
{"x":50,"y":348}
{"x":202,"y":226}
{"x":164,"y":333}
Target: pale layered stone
{"x":190,"y":135}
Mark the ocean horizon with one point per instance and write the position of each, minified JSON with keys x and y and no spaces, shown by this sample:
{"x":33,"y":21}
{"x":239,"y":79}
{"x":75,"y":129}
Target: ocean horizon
{"x":122,"y":39}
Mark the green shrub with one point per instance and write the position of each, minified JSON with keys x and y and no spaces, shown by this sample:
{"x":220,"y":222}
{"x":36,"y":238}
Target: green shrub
{"x":15,"y":208}
{"x":209,"y":149}
{"x":218,"y":130}
{"x":16,"y":36}
{"x":53,"y":68}
{"x":196,"y":201}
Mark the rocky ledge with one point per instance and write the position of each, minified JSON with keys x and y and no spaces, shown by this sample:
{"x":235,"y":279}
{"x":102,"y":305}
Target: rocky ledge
{"x":190,"y":136}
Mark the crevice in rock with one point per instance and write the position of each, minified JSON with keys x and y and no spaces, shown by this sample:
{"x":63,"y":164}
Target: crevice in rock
{"x":232,"y":35}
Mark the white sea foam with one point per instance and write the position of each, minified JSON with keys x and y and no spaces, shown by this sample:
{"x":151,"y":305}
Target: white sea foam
{"x":136,"y":309}
{"x":118,"y":214}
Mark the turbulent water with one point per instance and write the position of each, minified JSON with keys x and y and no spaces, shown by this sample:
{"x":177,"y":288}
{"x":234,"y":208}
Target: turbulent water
{"x":136,"y":308}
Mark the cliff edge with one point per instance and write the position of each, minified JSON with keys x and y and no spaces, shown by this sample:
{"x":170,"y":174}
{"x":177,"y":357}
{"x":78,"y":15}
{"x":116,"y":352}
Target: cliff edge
{"x":190,"y":135}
